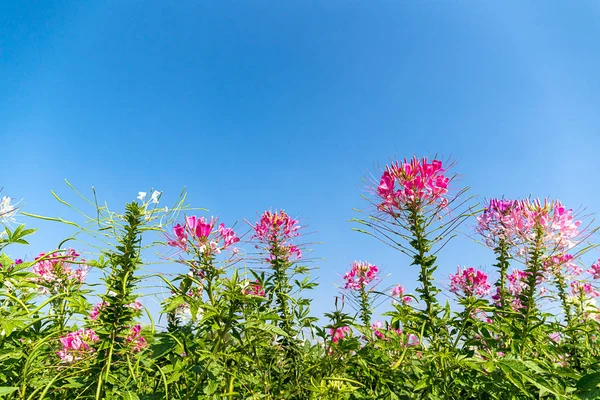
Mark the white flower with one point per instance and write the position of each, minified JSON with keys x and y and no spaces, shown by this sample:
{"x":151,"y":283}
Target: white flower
{"x":155,"y":196}
{"x":141,"y":196}
{"x":7,"y":210}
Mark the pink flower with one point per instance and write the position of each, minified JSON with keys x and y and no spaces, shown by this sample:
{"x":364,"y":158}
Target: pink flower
{"x":54,"y":270}
{"x":361,"y":274}
{"x":96,"y":311}
{"x":555,"y":337}
{"x":412,"y":183}
{"x":135,"y":339}
{"x":469,"y":282}
{"x":376,"y":328}
{"x":76,"y":345}
{"x":276,"y":227}
{"x":398,"y":292}
{"x":595,"y":270}
{"x":181,"y":237}
{"x":583,"y":289}
{"x":276,"y":230}
{"x":338,"y":334}
{"x":135,"y":306}
{"x":229,"y":237}
{"x":254,"y":289}
{"x":200,"y":227}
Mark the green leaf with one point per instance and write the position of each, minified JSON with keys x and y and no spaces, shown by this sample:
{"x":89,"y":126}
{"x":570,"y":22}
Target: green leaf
{"x":589,"y":381}
{"x":4,"y":390}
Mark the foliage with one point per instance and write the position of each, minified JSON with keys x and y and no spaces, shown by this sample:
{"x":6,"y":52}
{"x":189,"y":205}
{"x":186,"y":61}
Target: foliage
{"x":236,"y":323}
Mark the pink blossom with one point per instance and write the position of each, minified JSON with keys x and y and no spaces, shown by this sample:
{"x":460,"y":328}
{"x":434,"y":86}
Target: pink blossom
{"x":228,"y":235}
{"x":469,"y":282}
{"x":254,"y":289}
{"x":411,"y":183}
{"x":199,"y":227}
{"x":376,"y":328}
{"x":555,"y":337}
{"x":55,"y":269}
{"x":135,"y":339}
{"x":361,"y":274}
{"x":76,"y":345}
{"x":277,"y":230}
{"x":181,"y":238}
{"x":135,"y":306}
{"x":338,"y":334}
{"x":595,"y":270}
{"x":276,"y":227}
{"x":398,"y":292}
{"x":96,"y":311}
{"x":584,"y":289}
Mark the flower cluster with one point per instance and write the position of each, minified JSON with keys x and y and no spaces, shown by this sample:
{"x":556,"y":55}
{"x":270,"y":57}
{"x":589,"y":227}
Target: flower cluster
{"x":338,"y":334}
{"x":96,"y":311}
{"x":55,"y":269}
{"x":361,"y":274}
{"x":136,"y":340}
{"x":277,"y":229}
{"x":584,"y":289}
{"x":136,"y":306}
{"x":7,"y":210}
{"x":520,"y":221}
{"x":469,"y":282}
{"x":516,"y":285}
{"x":398,"y":293}
{"x":254,"y":289}
{"x":499,"y":221}
{"x":196,"y":232}
{"x":76,"y":345}
{"x":411,"y":183}
{"x":557,"y":263}
{"x":595,"y":270}
{"x":410,"y":340}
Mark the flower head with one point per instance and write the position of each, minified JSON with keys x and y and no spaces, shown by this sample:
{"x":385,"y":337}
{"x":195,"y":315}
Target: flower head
{"x":7,"y":210}
{"x":469,"y":282}
{"x":338,"y":334}
{"x":276,"y":227}
{"x":361,"y":274}
{"x":76,"y":345}
{"x":55,"y":269}
{"x":412,"y":183}
{"x":398,"y":292}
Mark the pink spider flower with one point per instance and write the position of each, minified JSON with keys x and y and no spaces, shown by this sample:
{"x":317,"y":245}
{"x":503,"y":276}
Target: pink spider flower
{"x":76,"y":345}
{"x":469,"y":282}
{"x":376,"y":327}
{"x":228,"y":235}
{"x":135,"y":305}
{"x":499,"y":221}
{"x":361,"y":274}
{"x":56,"y":270}
{"x":412,"y":183}
{"x":557,"y":263}
{"x":97,"y":309}
{"x":584,"y":288}
{"x":254,"y":289}
{"x":338,"y":334}
{"x":595,"y":270}
{"x":398,"y":292}
{"x":276,"y":227}
{"x":136,"y":340}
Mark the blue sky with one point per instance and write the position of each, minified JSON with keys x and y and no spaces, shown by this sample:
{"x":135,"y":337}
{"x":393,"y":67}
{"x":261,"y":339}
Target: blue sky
{"x":259,"y":104}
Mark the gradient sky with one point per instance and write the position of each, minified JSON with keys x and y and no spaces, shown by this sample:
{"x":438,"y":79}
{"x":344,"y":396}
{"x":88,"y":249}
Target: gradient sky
{"x":260,"y":104}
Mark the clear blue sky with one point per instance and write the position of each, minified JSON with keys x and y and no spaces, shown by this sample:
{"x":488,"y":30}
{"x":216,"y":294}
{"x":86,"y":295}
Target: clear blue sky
{"x":260,"y":104}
